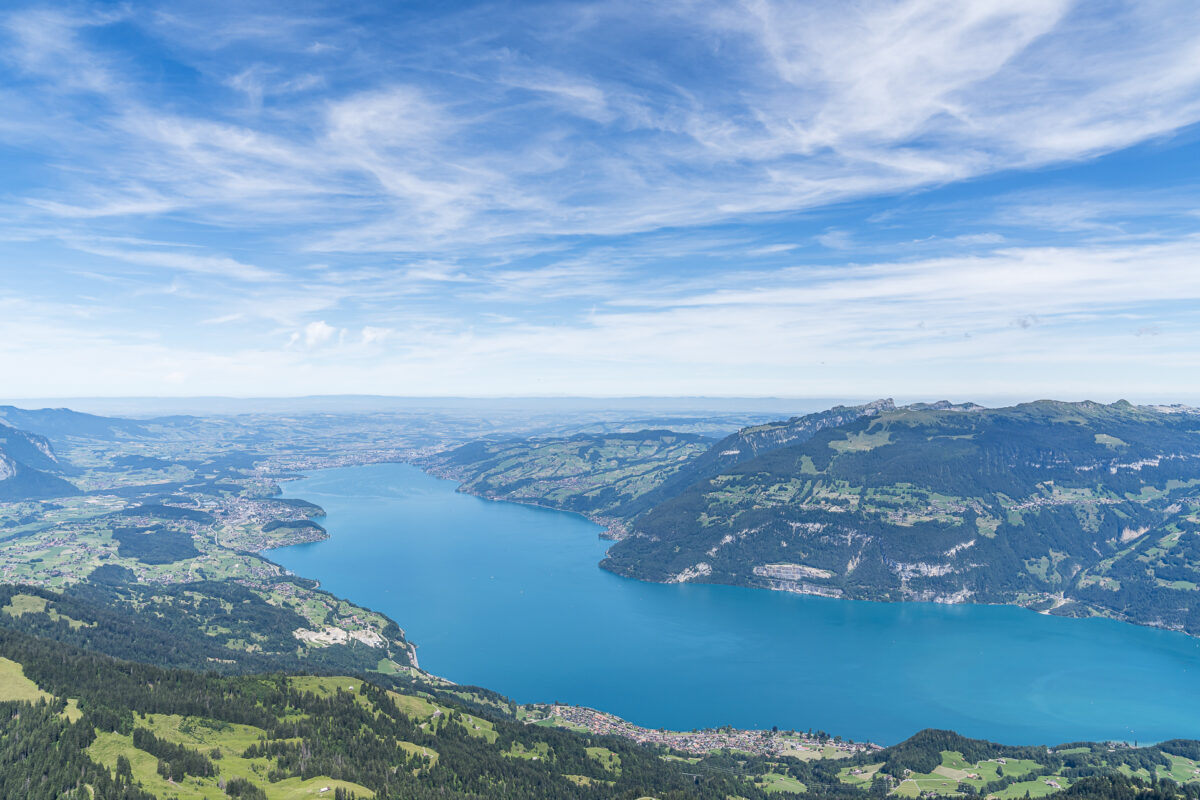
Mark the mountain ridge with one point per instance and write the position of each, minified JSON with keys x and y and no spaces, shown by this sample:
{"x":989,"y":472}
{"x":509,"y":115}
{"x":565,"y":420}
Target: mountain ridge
{"x":56,"y":423}
{"x":1071,"y":508}
{"x":928,"y":503}
{"x":29,"y":468}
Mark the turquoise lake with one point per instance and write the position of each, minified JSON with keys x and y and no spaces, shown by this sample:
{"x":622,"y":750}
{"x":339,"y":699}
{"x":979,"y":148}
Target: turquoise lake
{"x":510,"y":597}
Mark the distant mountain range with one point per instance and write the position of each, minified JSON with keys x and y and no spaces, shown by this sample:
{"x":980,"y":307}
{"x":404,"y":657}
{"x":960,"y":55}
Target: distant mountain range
{"x":55,"y":423}
{"x":29,"y":468}
{"x":1069,"y":508}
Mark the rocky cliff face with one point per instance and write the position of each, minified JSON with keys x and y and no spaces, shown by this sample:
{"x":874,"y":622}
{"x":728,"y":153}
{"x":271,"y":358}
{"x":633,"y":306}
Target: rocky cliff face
{"x":28,"y":467}
{"x":28,"y":448}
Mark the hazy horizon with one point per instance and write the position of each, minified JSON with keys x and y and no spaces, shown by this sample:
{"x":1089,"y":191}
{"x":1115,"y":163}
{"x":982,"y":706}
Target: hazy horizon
{"x":699,"y":405}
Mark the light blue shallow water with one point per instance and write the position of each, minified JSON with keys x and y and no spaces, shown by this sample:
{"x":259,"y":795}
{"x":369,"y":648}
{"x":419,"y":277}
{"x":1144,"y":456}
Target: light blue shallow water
{"x":510,"y":597}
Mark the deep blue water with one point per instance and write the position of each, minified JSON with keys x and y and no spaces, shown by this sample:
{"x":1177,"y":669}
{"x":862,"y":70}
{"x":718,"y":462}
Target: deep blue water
{"x":510,"y":597}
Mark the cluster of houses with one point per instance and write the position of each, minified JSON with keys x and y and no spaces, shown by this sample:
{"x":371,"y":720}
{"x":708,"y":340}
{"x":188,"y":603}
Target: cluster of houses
{"x":765,"y":743}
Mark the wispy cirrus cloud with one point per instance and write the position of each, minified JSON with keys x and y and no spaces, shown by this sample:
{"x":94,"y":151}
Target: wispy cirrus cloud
{"x":634,"y":189}
{"x":182,"y":261}
{"x":811,"y":104}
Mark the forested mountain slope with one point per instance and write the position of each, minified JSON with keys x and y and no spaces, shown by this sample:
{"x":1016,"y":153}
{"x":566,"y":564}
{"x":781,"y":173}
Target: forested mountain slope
{"x":82,"y":725}
{"x":206,"y":625}
{"x":108,"y":730}
{"x":748,"y":443}
{"x":614,"y":477}
{"x":1076,"y":507}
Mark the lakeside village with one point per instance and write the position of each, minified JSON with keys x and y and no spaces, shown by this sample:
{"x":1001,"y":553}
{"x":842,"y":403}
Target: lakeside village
{"x":756,"y":742}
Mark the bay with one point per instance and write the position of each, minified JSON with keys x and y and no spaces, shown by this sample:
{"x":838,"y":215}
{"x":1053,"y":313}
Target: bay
{"x":510,"y":597}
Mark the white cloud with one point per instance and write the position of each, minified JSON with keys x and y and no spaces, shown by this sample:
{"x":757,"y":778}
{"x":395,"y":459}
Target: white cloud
{"x":791,"y":106}
{"x":371,"y":335}
{"x":46,"y":41}
{"x":771,"y":249}
{"x":474,"y":216}
{"x":835,"y":240}
{"x":258,"y":81}
{"x":574,"y":95}
{"x":1053,"y":321}
{"x":185,"y":262}
{"x":315,"y":334}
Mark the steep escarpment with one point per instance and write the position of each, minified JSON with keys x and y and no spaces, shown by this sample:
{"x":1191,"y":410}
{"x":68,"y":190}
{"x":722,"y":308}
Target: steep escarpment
{"x":29,"y":469}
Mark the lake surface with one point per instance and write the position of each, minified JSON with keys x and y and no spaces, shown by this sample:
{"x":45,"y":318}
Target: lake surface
{"x":510,"y":597}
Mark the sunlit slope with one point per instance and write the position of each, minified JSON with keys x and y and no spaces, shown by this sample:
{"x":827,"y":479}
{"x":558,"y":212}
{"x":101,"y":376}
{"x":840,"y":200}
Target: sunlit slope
{"x":82,"y":725}
{"x":600,"y":475}
{"x":1078,"y":507}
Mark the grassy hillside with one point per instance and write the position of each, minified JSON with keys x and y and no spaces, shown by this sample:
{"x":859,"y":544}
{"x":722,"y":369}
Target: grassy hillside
{"x":600,"y":475}
{"x":141,"y":731}
{"x":1076,"y":507}
{"x":84,"y":725}
{"x":617,"y":476}
{"x":746,"y":444}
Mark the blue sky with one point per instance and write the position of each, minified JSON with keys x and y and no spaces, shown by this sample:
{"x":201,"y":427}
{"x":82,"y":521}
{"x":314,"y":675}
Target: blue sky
{"x":912,"y":198}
